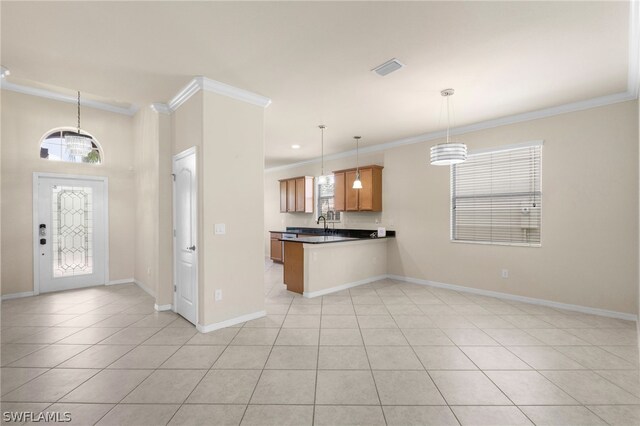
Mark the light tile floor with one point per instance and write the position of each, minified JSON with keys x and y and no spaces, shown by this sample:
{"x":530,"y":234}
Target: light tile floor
{"x":382,"y":353}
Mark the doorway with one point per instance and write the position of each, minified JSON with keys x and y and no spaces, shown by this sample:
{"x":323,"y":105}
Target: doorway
{"x":185,"y":220}
{"x":70,"y":243}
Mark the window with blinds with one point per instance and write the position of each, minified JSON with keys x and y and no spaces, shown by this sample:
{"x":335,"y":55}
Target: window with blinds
{"x":496,"y":196}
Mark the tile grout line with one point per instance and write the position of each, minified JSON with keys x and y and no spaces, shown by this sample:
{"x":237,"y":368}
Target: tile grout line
{"x":366,"y":352}
{"x":474,"y":363}
{"x":107,"y":368}
{"x":265,"y":363}
{"x":532,"y":368}
{"x":425,"y":368}
{"x":83,"y":382}
{"x":315,"y":388}
{"x":203,"y":376}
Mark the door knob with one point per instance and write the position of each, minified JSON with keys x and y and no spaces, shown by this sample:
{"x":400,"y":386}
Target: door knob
{"x":192,"y":248}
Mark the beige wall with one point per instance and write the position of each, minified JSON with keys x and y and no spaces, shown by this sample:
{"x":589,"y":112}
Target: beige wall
{"x":232,"y":193}
{"x":327,"y":266}
{"x":146,"y":138}
{"x":589,"y":253}
{"x":153,"y":186}
{"x":25,"y":119}
{"x":164,"y":294}
{"x":229,"y":138}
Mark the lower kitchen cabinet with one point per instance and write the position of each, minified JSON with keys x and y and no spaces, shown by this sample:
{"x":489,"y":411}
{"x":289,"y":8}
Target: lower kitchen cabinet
{"x":293,"y":275}
{"x":277,"y":251}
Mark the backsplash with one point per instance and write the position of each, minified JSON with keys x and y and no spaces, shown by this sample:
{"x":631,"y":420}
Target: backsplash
{"x":353,"y":220}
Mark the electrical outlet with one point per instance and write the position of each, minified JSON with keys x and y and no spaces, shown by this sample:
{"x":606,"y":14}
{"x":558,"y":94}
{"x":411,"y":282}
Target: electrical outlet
{"x":220,"y":229}
{"x":218,"y":295}
{"x":505,"y":273}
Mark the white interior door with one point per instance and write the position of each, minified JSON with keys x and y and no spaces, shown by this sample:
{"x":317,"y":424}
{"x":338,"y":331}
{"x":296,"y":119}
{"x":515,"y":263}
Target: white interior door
{"x":185,"y":239}
{"x":70,"y":238}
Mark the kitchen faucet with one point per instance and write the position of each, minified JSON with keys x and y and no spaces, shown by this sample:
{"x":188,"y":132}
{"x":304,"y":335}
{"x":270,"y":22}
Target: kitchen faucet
{"x":325,"y":222}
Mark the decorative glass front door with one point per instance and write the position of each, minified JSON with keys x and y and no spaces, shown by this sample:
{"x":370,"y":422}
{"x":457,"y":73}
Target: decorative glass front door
{"x":70,"y":233}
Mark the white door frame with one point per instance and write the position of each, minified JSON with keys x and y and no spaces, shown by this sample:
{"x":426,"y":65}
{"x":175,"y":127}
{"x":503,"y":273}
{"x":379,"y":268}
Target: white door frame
{"x":36,"y":222}
{"x":193,"y":150}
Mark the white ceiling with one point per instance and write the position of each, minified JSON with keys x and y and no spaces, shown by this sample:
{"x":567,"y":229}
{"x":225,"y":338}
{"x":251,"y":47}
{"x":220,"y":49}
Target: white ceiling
{"x":313,"y":59}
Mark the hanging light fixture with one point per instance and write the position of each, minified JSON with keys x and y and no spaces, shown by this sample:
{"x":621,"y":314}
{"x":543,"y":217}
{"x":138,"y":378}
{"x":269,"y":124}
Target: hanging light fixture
{"x":78,"y":145}
{"x":446,"y":154}
{"x":357,"y":184}
{"x":322,"y":179}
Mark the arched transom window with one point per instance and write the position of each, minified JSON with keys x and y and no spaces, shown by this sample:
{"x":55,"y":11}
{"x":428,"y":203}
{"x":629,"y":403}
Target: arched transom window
{"x":54,"y":147}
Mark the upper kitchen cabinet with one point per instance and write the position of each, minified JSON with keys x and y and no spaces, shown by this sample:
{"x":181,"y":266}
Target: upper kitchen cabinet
{"x":367,"y":199}
{"x":296,"y":195}
{"x":283,"y":196}
{"x":338,"y":192}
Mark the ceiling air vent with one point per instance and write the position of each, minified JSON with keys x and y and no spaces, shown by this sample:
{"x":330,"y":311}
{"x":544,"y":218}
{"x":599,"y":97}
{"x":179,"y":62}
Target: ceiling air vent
{"x":388,"y":67}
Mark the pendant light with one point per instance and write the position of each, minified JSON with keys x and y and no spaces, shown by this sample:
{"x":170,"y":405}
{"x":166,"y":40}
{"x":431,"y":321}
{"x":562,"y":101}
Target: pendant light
{"x":357,"y":184}
{"x":446,"y":154}
{"x":78,"y":145}
{"x":322,"y":180}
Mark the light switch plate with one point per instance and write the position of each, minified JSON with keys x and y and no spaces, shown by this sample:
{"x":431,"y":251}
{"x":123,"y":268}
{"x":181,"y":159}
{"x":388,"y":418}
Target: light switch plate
{"x":220,"y":229}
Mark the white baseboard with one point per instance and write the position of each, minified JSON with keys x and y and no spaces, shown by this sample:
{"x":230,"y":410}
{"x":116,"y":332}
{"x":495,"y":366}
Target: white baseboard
{"x":507,"y":296}
{"x":161,"y":308}
{"x":230,"y":322}
{"x":312,"y":294}
{"x":145,"y":288}
{"x":17,"y":295}
{"x":123,"y":281}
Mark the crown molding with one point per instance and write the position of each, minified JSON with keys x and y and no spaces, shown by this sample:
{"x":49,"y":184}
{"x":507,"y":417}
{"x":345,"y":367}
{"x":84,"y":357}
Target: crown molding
{"x":223,"y":89}
{"x":48,"y":94}
{"x":209,"y":85}
{"x":160,"y":108}
{"x":483,"y":125}
{"x":184,"y":94}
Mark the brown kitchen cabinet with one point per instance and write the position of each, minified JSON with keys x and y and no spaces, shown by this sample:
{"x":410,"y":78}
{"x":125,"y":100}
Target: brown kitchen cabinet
{"x":338,"y":192}
{"x":291,"y":195}
{"x":367,"y":199}
{"x":277,"y":252}
{"x":283,"y":196}
{"x":293,"y":275}
{"x":296,"y":195}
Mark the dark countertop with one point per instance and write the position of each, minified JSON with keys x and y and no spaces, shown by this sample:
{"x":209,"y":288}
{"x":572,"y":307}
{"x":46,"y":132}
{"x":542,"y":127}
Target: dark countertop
{"x":321,"y":239}
{"x":331,"y":235}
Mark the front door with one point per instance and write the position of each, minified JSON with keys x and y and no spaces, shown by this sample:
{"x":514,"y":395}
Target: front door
{"x":185,"y":241}
{"x":70,"y":242}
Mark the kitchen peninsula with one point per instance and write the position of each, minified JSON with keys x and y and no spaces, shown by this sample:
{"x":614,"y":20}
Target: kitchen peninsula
{"x":318,"y":262}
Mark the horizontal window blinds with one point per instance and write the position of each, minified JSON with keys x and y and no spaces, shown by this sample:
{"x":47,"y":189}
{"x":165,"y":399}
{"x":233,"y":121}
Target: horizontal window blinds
{"x":496,"y":197}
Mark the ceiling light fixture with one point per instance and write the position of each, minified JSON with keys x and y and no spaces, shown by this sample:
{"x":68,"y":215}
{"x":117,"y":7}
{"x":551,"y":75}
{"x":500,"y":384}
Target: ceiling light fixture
{"x":78,"y":145}
{"x":322,"y":180}
{"x":357,"y":184}
{"x":388,"y":67}
{"x":4,"y":72}
{"x":295,"y":146}
{"x":446,"y":154}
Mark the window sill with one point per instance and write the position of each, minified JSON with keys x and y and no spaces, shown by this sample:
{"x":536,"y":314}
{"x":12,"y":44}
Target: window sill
{"x":491,"y":243}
